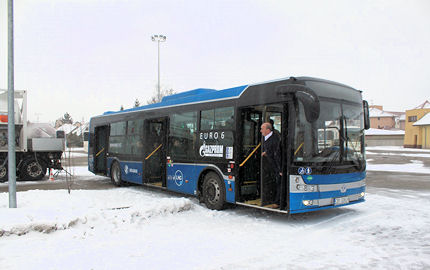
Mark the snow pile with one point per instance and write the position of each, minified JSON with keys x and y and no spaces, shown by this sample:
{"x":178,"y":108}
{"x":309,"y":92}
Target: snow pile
{"x":375,"y":131}
{"x":60,"y":211}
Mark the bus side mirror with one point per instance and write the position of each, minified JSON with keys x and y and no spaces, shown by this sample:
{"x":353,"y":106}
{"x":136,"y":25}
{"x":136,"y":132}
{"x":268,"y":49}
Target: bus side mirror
{"x":306,"y":95}
{"x":366,"y":114}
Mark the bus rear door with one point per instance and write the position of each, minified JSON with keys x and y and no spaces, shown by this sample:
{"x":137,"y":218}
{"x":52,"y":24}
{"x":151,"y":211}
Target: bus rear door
{"x":155,"y":135}
{"x":100,"y":148}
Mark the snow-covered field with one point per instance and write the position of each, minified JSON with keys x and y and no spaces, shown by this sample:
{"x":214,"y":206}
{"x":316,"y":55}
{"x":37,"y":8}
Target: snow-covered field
{"x":414,"y":166}
{"x":133,"y":228}
{"x":137,"y":228}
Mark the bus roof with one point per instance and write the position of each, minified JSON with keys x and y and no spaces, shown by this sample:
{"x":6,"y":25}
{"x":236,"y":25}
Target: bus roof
{"x":189,"y":97}
{"x":205,"y":95}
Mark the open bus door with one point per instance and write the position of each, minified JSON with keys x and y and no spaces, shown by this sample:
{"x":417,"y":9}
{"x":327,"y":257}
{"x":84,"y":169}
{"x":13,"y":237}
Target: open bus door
{"x":100,"y":148}
{"x":155,"y":136}
{"x":257,"y":184}
{"x":249,"y":155}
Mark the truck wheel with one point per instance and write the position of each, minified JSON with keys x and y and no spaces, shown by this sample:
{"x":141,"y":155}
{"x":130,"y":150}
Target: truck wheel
{"x":32,"y":170}
{"x":213,"y":191}
{"x":115,"y":174}
{"x":3,"y":171}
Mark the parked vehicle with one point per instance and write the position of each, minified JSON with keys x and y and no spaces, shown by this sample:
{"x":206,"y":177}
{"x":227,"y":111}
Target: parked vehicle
{"x":37,"y":148}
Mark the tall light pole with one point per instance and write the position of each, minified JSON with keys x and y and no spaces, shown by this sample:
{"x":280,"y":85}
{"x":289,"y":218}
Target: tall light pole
{"x":11,"y":111}
{"x":158,"y":39}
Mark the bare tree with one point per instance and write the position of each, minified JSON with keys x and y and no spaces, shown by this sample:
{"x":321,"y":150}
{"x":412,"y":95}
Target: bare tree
{"x":67,"y":119}
{"x":163,"y":93}
{"x":136,"y":103}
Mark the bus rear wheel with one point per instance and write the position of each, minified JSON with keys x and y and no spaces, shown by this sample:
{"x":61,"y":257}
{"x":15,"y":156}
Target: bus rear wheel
{"x":213,"y":191}
{"x":115,"y":174}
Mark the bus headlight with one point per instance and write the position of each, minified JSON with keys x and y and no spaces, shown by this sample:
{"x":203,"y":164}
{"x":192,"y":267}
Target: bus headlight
{"x":307,"y":202}
{"x":362,"y":194}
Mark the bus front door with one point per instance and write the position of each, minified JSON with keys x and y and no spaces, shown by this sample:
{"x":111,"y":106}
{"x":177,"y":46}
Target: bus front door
{"x":250,"y":155}
{"x":155,"y":152}
{"x":100,"y":148}
{"x":258,"y":183}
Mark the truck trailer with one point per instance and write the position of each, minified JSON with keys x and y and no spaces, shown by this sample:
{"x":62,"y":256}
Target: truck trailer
{"x":37,"y":148}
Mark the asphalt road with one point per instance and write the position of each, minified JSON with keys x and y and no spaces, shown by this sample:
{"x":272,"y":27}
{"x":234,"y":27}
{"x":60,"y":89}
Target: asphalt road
{"x":375,"y":179}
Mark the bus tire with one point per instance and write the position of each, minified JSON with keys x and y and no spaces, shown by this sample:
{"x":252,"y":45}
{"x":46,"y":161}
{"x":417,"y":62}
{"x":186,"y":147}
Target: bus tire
{"x":3,"y":171}
{"x":115,"y":174}
{"x":32,"y":170}
{"x":213,"y":191}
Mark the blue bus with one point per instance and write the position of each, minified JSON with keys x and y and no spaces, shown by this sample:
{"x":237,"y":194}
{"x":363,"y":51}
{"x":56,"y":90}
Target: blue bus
{"x":207,"y":143}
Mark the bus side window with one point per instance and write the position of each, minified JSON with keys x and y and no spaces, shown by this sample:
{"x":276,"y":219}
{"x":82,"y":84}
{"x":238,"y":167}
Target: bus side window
{"x":117,"y":138}
{"x":216,"y":119}
{"x":182,"y":137}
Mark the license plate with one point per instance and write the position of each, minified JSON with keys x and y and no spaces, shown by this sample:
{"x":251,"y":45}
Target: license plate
{"x":341,"y":200}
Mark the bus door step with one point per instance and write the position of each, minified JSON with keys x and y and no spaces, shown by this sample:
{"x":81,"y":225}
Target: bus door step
{"x":254,"y":202}
{"x":248,"y":189}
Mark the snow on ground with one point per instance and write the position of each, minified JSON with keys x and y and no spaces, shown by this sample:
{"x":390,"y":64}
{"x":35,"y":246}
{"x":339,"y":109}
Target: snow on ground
{"x":399,"y":154}
{"x":131,"y":228}
{"x":74,"y":154}
{"x":416,"y":166}
{"x":396,"y":148}
{"x":376,"y":131}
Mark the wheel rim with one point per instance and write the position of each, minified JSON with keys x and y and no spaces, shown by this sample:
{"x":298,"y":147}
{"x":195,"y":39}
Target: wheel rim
{"x":116,"y":173}
{"x":34,"y":169}
{"x":213,"y":191}
{"x":3,"y":171}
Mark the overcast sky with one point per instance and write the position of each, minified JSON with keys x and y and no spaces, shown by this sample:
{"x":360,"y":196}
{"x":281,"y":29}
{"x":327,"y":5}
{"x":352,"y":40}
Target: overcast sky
{"x":86,"y":57}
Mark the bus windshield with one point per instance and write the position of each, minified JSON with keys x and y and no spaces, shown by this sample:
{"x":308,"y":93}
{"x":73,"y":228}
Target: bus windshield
{"x":335,"y":138}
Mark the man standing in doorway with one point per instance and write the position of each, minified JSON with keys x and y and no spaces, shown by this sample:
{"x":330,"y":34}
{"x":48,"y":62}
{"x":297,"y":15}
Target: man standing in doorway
{"x":272,"y":153}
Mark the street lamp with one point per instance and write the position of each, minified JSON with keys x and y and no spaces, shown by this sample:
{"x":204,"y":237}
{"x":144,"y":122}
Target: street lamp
{"x":158,"y":39}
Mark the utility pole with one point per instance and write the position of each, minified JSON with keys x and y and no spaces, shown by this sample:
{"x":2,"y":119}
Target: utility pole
{"x":11,"y":111}
{"x":158,"y":39}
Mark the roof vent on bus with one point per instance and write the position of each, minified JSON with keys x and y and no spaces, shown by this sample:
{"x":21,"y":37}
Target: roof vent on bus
{"x":194,"y":92}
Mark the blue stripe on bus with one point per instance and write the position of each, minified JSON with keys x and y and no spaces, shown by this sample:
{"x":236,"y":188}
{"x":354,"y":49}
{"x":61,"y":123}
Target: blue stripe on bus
{"x":325,"y":179}
{"x":324,"y":207}
{"x":297,"y":198}
{"x":131,"y":171}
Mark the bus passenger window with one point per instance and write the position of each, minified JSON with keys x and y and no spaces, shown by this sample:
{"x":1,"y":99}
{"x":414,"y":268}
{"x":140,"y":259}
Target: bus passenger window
{"x":117,"y":138}
{"x":224,"y":118}
{"x":215,"y":119}
{"x":207,"y":120}
{"x":182,"y":138}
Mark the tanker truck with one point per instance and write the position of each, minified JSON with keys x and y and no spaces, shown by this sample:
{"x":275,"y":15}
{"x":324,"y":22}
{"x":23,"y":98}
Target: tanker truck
{"x":38,"y":146}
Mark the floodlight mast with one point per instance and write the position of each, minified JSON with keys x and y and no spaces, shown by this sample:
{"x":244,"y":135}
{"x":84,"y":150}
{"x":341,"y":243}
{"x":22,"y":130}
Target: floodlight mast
{"x":158,"y":39}
{"x":11,"y":112}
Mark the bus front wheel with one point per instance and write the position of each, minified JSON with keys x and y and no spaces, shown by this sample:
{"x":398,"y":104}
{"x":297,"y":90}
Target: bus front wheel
{"x":115,"y":174}
{"x":213,"y":191}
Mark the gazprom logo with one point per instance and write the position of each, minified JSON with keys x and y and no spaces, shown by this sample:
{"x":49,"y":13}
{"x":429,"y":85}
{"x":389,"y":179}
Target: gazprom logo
{"x":179,"y":178}
{"x":126,"y":169}
{"x":211,"y":150}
